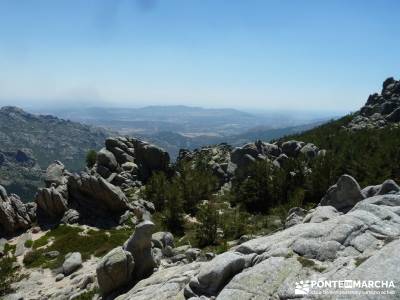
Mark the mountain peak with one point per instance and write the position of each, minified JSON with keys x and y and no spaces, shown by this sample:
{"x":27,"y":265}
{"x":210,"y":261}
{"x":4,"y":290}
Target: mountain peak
{"x":381,"y":109}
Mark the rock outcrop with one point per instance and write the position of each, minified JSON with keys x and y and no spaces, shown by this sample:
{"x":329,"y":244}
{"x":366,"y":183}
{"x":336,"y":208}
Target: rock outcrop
{"x":53,"y":199}
{"x":126,"y":162}
{"x":96,"y":194}
{"x":85,"y":198}
{"x":381,"y":109}
{"x":343,"y":195}
{"x":14,"y":215}
{"x":73,"y":262}
{"x":114,"y":271}
{"x":226,"y":162}
{"x":327,"y":244}
{"x":139,"y":245}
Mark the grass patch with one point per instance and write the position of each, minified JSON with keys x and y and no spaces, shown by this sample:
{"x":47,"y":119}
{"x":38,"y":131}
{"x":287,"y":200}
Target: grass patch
{"x":360,"y":260}
{"x":305,"y":262}
{"x":8,"y":275}
{"x":68,"y":239}
{"x":40,"y":242}
{"x":9,"y":249}
{"x":88,"y":295}
{"x":28,"y":243}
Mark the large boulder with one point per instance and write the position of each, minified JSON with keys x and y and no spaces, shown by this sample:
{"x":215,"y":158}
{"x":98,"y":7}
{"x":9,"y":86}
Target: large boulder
{"x":270,"y":149}
{"x":53,"y":201}
{"x":55,"y":174}
{"x":71,"y":216}
{"x":343,"y":195}
{"x":242,"y":155}
{"x":96,"y":194}
{"x":139,"y":245}
{"x":310,"y":150}
{"x":150,"y":158}
{"x":73,"y":262}
{"x":162,"y":239}
{"x":114,"y":270}
{"x":388,"y":186}
{"x":215,"y":274}
{"x":292,"y":148}
{"x":14,"y":215}
{"x":107,"y":159}
{"x":295,"y":216}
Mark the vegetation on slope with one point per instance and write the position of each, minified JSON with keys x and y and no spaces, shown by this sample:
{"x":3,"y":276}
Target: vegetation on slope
{"x":66,"y":239}
{"x":370,"y":155}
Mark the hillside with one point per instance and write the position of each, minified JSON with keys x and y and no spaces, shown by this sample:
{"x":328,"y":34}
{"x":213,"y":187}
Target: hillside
{"x":42,"y":139}
{"x":364,"y":144}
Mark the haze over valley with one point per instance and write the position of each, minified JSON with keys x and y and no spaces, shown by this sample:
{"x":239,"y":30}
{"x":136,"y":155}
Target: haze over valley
{"x":177,"y":126}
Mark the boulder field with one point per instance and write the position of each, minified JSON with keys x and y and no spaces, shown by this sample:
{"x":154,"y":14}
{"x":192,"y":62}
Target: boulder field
{"x":359,"y":244}
{"x":352,"y":234}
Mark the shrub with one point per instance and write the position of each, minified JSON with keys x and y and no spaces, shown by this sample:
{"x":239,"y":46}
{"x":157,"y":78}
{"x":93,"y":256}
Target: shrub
{"x":28,"y":243}
{"x":91,"y":157}
{"x":156,"y":190}
{"x":8,"y":275}
{"x":209,"y":219}
{"x":172,"y":216}
{"x":196,"y":183}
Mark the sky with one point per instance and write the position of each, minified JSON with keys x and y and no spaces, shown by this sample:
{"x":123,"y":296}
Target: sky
{"x":259,"y":55}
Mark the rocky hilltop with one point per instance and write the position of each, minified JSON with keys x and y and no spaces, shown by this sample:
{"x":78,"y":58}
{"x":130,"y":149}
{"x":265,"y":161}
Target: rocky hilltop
{"x":31,"y":142}
{"x":381,"y":109}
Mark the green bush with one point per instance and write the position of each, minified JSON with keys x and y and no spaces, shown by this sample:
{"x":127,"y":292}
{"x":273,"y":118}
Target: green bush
{"x":172,"y":216}
{"x":156,"y":190}
{"x":91,"y":157}
{"x":28,"y":243}
{"x":209,"y":220}
{"x":8,"y":275}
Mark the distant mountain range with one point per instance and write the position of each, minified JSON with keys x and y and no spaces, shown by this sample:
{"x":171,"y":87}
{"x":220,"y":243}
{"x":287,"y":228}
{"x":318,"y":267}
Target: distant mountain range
{"x":30,"y":142}
{"x":178,"y":126}
{"x":186,"y":120}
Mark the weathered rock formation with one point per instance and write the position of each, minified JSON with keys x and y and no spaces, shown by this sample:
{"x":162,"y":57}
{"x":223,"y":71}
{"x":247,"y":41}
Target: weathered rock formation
{"x":358,"y":245}
{"x":226,"y":162}
{"x":14,"y":215}
{"x":127,"y":162}
{"x":139,"y":245}
{"x":381,"y":109}
{"x":96,"y":196}
{"x":82,"y":197}
{"x":114,"y":271}
{"x":344,"y":194}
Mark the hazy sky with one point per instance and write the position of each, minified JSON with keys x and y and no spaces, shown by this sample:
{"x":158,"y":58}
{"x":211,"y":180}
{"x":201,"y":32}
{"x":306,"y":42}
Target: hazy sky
{"x":309,"y":55}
